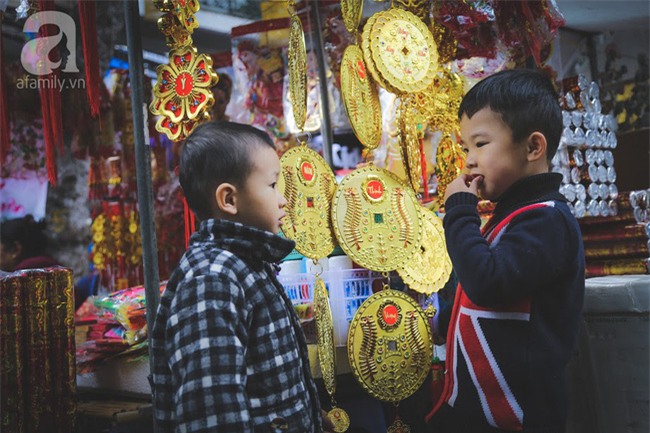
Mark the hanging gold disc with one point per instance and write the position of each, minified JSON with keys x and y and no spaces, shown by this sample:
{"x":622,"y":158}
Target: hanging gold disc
{"x":367,"y":54}
{"x":360,"y":98}
{"x":424,"y":271}
{"x":325,"y":336}
{"x":308,"y":184}
{"x":410,"y":145}
{"x":403,"y":50}
{"x":340,"y":419}
{"x":375,"y":219}
{"x":351,"y":11}
{"x":297,"y":60}
{"x":389,"y":345}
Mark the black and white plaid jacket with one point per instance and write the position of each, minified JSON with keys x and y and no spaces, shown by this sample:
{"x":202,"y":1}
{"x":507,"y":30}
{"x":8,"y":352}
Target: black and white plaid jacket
{"x":228,"y":351}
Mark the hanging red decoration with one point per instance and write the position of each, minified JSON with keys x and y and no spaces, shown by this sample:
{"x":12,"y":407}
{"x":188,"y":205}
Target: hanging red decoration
{"x":88,"y":20}
{"x":50,"y":101}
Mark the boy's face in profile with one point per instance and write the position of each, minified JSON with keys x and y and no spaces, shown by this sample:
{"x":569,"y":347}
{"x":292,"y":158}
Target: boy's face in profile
{"x":259,"y":202}
{"x":492,"y":153}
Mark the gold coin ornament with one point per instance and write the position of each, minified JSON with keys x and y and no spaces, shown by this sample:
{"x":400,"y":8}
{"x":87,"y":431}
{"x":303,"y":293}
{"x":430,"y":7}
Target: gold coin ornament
{"x":308,"y":184}
{"x":428,"y":270}
{"x":403,"y":50}
{"x":409,"y":135}
{"x":375,"y":218}
{"x":367,"y":54}
{"x":340,"y":419}
{"x":389,"y":345}
{"x":325,"y":336}
{"x":360,"y":98}
{"x":351,"y":11}
{"x":297,"y":60}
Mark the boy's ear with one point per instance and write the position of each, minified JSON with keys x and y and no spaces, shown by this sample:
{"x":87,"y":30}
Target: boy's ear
{"x":536,"y":146}
{"x":226,"y":197}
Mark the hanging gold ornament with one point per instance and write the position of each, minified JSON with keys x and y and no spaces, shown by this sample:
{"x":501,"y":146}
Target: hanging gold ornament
{"x":367,"y":54}
{"x":308,"y":184}
{"x":428,"y":270}
{"x":184,"y":10}
{"x":389,"y":345}
{"x":450,"y":160}
{"x":375,"y":219}
{"x":410,"y":132}
{"x":403,"y":50}
{"x":419,"y":8}
{"x":297,"y":65}
{"x":360,"y":98}
{"x":176,"y":34}
{"x":351,"y":11}
{"x":326,"y":353}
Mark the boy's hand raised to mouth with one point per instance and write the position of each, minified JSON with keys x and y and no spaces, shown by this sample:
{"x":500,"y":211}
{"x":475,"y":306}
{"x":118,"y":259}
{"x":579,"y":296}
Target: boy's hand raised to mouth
{"x":464,"y":183}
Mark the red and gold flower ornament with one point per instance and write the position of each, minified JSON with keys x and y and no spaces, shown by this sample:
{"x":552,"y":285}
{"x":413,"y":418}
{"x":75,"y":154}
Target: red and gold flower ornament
{"x":182,"y":93}
{"x":184,"y":10}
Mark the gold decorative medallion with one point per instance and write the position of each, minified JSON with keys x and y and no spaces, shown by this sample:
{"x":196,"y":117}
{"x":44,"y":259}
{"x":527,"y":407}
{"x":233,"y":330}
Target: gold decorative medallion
{"x":409,"y":135}
{"x":297,"y":55}
{"x":360,"y":98}
{"x":428,"y":270}
{"x":183,"y":10}
{"x":403,"y":50}
{"x":308,"y":184}
{"x":375,"y":218}
{"x":184,"y":85}
{"x":325,"y":336}
{"x":340,"y":419}
{"x":389,"y":345}
{"x":367,"y":54}
{"x":398,"y":426}
{"x":351,"y":11}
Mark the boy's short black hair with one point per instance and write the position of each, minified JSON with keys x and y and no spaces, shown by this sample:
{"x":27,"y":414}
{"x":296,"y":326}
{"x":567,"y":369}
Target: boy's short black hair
{"x":526,"y":100}
{"x":217,"y":152}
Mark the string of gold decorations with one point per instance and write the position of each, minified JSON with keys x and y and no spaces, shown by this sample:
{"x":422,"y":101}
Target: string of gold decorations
{"x":182,"y":93}
{"x":308,"y":184}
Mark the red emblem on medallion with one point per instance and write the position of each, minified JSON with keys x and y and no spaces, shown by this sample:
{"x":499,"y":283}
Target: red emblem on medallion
{"x":375,"y":189}
{"x":389,"y":314}
{"x":184,"y":84}
{"x":307,"y":171}
{"x":361,"y":70}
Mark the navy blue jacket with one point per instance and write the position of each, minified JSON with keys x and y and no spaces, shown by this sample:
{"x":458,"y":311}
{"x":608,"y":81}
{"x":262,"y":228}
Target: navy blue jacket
{"x":518,"y":311}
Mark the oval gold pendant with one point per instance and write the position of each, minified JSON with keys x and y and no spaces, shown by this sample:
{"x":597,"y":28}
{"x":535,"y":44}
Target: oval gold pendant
{"x":340,"y":419}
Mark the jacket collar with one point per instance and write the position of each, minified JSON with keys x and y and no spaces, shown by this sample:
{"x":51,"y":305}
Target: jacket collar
{"x":532,"y":189}
{"x":249,"y":243}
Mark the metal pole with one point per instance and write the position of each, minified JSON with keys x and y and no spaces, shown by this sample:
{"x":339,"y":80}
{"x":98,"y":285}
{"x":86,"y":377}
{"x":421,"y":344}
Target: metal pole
{"x":326,"y":123}
{"x":142,"y":163}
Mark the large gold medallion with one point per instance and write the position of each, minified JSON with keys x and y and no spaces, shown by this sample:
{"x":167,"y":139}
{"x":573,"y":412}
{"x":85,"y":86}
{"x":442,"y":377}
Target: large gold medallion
{"x":375,"y":218}
{"x":351,"y":11}
{"x":297,"y":60}
{"x":428,"y":270}
{"x":403,"y":50}
{"x":325,"y":336}
{"x":389,"y":345}
{"x":367,"y":54}
{"x":409,"y":136}
{"x":308,"y":184}
{"x":360,"y":98}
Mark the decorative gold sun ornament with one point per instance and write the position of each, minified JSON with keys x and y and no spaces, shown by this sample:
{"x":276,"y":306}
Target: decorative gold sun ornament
{"x":182,"y":95}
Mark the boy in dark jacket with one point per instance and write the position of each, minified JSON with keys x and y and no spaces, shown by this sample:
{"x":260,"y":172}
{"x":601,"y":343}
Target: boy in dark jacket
{"x":518,"y":306}
{"x":228,"y":351}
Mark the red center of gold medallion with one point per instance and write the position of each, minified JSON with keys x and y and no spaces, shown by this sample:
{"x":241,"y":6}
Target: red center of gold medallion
{"x":390,"y":314}
{"x":375,"y":189}
{"x":307,"y":171}
{"x":184,"y":84}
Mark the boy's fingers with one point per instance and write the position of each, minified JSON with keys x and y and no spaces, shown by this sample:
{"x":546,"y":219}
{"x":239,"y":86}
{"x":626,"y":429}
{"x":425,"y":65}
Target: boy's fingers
{"x":474,"y":184}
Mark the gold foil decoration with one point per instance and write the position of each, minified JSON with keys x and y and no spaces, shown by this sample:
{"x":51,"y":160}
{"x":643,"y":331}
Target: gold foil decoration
{"x":326,"y":353}
{"x":403,"y":50}
{"x":183,"y":10}
{"x":375,"y":218}
{"x":176,"y":34}
{"x":409,"y":129}
{"x":297,"y":61}
{"x":428,"y":270}
{"x":351,"y":11}
{"x":308,"y":184}
{"x":360,"y":98}
{"x":419,"y":8}
{"x":367,"y":54}
{"x":450,"y":160}
{"x":389,"y":345}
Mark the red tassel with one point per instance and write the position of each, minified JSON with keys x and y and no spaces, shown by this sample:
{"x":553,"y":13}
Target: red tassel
{"x":423,"y":162}
{"x":88,"y":20}
{"x":50,"y":105}
{"x":5,"y":139}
